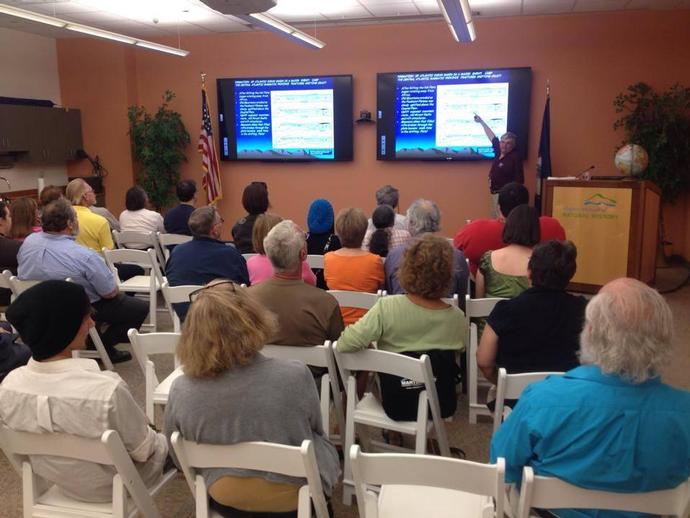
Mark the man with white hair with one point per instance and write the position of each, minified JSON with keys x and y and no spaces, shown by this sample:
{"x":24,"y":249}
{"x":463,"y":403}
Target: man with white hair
{"x":424,"y":217}
{"x":610,"y":424}
{"x":306,"y":315}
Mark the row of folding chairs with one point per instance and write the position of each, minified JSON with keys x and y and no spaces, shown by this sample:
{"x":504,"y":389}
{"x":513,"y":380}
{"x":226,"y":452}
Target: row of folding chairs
{"x":386,"y":484}
{"x":314,"y":261}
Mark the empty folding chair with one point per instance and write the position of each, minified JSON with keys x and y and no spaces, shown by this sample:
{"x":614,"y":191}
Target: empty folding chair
{"x":130,"y":494}
{"x":315,"y":261}
{"x":424,"y":485}
{"x":295,"y":461}
{"x":369,"y":410}
{"x":165,"y":240}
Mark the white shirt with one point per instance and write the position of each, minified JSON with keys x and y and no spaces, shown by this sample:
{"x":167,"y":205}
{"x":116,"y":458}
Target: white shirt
{"x":143,"y":220}
{"x":73,"y":396}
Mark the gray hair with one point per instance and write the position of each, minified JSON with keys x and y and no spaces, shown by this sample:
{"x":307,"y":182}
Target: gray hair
{"x":201,"y":221}
{"x":509,"y":135}
{"x":388,"y":195}
{"x":628,"y":331}
{"x":283,"y":245}
{"x":423,"y":216}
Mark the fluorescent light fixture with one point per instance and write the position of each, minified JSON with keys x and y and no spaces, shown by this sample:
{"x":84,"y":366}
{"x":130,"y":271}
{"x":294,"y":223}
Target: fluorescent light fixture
{"x":458,"y":16}
{"x":100,"y":33}
{"x":161,"y":48}
{"x":272,"y":23}
{"x":91,"y":31}
{"x":29,"y":15}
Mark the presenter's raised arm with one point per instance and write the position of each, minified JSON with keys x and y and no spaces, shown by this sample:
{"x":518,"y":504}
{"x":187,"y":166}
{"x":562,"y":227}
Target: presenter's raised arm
{"x":489,"y":133}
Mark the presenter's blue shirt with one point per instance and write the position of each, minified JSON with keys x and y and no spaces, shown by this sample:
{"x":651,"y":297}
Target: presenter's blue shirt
{"x":202,"y":260}
{"x":599,"y":431}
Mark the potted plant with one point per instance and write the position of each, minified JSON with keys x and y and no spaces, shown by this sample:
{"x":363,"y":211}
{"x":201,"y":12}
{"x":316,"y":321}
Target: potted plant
{"x":158,"y":143}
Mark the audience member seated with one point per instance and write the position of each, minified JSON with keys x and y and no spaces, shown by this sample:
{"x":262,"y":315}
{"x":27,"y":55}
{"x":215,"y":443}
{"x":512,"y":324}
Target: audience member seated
{"x":416,"y":323}
{"x":25,"y":218}
{"x":503,"y":272}
{"x":137,"y":217}
{"x":205,"y":257}
{"x":352,"y":268}
{"x":61,"y":394}
{"x":113,"y":222}
{"x":49,"y":194}
{"x":481,"y":235}
{"x":9,"y":248}
{"x":389,"y":195}
{"x":610,"y":424}
{"x":321,"y":237}
{"x":539,"y":330}
{"x":176,"y":221}
{"x":94,"y":231}
{"x":255,"y":202}
{"x":306,"y":315}
{"x":259,"y":266}
{"x":385,"y":236}
{"x":424,"y":217}
{"x":53,"y":255}
{"x":276,"y":401}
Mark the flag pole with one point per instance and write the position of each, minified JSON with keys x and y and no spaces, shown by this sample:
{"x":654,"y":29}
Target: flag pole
{"x":203,"y":80}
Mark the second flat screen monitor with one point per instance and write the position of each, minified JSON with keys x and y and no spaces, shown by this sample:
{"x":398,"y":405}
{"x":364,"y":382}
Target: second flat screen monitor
{"x":286,"y":118}
{"x":430,"y":115}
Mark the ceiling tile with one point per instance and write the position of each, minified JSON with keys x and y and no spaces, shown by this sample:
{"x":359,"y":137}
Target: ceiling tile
{"x":399,"y":9}
{"x":533,"y":7}
{"x":599,"y":5}
{"x":496,"y":7}
{"x":355,"y":11}
{"x":428,"y":7}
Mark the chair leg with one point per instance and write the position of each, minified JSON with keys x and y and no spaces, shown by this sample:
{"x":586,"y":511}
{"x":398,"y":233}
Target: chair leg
{"x":348,"y":485}
{"x":153,"y":305}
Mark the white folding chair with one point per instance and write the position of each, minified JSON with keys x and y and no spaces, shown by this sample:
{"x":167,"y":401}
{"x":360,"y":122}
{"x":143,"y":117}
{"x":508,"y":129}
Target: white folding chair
{"x":317,"y":356}
{"x":424,"y":485}
{"x":552,"y":493}
{"x":165,"y":240}
{"x":139,"y":240}
{"x":453,"y":301}
{"x":511,"y":386}
{"x":176,"y":295}
{"x":355,"y":299}
{"x":315,"y":261}
{"x":143,"y":346}
{"x":369,"y":411}
{"x":476,"y":308}
{"x":143,"y":284}
{"x":18,"y":286}
{"x":5,"y":279}
{"x":247,"y":257}
{"x":130,"y":494}
{"x":295,"y":461}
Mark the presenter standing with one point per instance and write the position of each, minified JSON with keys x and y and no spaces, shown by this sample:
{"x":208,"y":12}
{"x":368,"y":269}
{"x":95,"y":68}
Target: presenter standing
{"x":506,"y":166}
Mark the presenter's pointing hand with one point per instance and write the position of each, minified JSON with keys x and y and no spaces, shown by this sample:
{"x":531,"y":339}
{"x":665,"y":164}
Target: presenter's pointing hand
{"x":477,"y":118}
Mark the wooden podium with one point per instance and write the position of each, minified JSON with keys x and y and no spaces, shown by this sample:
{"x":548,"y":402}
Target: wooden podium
{"x":614,"y":224}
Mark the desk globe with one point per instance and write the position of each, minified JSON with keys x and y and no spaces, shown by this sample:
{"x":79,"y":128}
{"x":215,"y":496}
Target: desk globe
{"x":631,"y":160}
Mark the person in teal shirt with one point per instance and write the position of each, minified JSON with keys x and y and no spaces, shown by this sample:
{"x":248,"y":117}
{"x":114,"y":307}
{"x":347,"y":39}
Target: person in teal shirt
{"x":610,"y":424}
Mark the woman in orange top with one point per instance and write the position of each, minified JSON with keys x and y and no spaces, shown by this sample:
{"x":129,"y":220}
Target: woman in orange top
{"x":351,"y":268}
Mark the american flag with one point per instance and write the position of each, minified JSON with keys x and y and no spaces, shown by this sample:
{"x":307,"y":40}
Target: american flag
{"x":209,"y":158}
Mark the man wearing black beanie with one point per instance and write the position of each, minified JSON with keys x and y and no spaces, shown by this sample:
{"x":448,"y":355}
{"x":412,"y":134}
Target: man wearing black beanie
{"x":57,"y":393}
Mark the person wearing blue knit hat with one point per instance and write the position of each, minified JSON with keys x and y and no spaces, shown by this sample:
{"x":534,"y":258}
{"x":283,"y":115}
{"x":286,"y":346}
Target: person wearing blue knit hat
{"x":321,"y":238}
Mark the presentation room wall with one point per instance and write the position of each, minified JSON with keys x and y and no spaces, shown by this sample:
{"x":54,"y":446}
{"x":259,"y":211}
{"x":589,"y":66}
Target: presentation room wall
{"x":588,"y":59}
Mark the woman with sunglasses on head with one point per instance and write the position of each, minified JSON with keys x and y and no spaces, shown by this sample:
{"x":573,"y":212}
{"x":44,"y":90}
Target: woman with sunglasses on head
{"x":231,"y":393}
{"x":255,"y":202}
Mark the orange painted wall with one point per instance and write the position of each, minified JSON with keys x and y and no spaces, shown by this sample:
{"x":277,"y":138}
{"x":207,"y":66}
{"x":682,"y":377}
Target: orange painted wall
{"x":587,"y":58}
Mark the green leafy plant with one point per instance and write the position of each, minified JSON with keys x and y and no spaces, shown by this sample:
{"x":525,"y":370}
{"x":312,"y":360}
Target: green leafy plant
{"x":158,"y":143}
{"x":660,"y":123}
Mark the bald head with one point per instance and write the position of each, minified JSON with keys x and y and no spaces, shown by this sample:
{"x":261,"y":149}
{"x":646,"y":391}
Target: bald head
{"x":628,"y":330}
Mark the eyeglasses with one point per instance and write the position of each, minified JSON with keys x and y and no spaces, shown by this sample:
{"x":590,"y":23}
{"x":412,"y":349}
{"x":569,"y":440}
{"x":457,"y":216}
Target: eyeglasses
{"x":195,"y":294}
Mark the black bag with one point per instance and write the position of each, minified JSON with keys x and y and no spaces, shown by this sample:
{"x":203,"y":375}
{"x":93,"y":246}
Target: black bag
{"x":400,"y":396}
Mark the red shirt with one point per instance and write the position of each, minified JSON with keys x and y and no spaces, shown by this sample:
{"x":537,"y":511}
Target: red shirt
{"x":482,"y":235}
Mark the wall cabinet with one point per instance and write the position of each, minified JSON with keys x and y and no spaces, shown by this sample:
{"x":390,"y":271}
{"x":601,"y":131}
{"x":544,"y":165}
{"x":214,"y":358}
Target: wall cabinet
{"x":36,"y":134}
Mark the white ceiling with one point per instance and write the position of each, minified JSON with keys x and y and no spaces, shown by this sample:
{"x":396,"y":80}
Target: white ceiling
{"x":152,"y":18}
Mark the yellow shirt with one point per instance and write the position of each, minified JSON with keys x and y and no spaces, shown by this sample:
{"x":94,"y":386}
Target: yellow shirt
{"x":94,"y":231}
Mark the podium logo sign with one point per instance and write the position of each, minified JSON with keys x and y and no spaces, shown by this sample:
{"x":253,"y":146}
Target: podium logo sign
{"x":597,"y":220}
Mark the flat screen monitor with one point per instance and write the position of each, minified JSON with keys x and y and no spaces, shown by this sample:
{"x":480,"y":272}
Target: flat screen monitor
{"x":286,"y":118}
{"x":430,"y":115}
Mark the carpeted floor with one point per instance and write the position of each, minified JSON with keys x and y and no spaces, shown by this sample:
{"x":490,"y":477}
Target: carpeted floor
{"x":176,"y":501}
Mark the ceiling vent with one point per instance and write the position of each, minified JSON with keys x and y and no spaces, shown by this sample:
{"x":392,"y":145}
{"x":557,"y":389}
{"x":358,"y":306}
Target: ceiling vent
{"x":238,"y":7}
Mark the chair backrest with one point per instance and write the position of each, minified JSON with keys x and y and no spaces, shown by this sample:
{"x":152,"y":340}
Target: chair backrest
{"x":315,"y":261}
{"x":165,"y":240}
{"x":478,"y":308}
{"x":552,"y":493}
{"x":453,"y":301}
{"x":295,"y":461}
{"x":247,"y":257}
{"x":355,"y":299}
{"x":133,"y":237}
{"x":108,"y":450}
{"x":145,"y":258}
{"x":177,"y":295}
{"x":5,"y":279}
{"x":511,"y":386}
{"x":146,"y":344}
{"x":18,"y":286}
{"x":382,"y":469}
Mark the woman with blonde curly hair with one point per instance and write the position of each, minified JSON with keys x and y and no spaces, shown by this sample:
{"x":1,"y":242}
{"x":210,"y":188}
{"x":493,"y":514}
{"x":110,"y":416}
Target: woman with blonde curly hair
{"x":231,"y":393}
{"x":416,"y":323}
